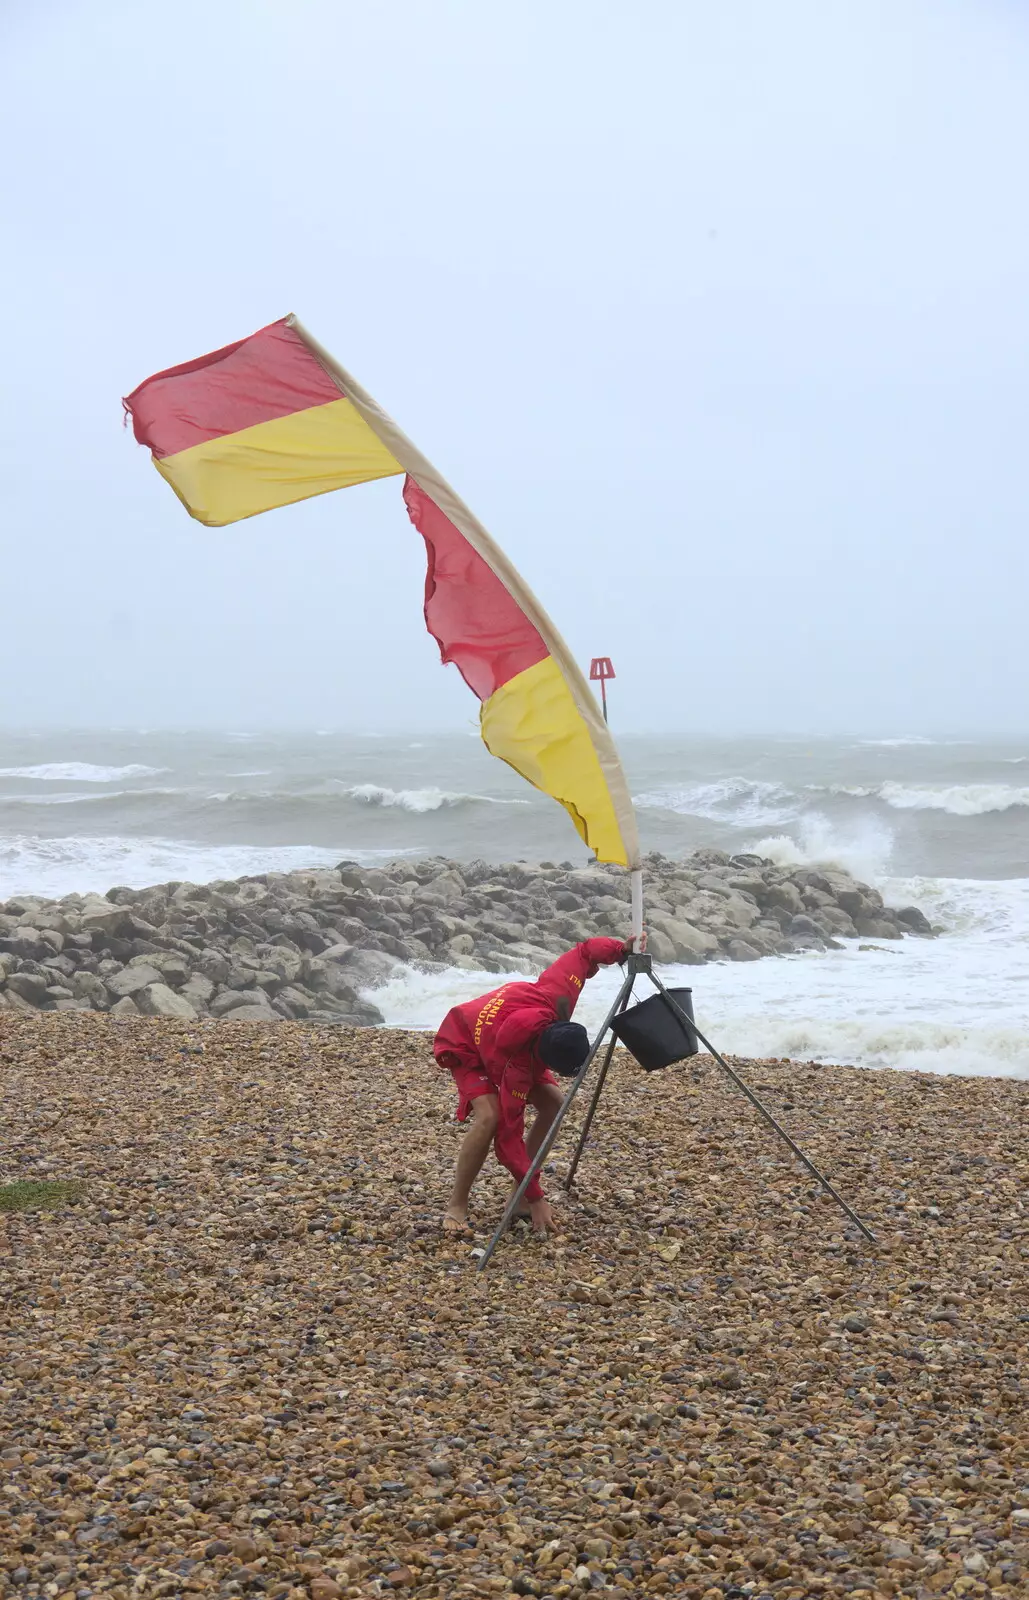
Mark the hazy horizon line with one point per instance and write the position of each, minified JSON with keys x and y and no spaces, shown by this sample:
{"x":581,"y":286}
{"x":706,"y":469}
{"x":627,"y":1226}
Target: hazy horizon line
{"x":279,"y":730}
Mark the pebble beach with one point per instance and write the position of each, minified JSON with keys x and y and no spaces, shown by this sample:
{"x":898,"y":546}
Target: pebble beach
{"x":240,"y":1358}
{"x":718,"y":330}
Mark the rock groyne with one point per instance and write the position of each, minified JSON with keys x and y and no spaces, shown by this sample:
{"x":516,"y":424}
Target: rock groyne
{"x":310,"y":944}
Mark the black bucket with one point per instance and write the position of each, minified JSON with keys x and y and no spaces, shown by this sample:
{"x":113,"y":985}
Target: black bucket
{"x":654,"y":1033}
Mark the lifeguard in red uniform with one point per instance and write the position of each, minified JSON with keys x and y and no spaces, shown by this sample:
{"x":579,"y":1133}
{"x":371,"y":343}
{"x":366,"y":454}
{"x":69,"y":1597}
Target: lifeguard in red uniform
{"x":503,"y":1050}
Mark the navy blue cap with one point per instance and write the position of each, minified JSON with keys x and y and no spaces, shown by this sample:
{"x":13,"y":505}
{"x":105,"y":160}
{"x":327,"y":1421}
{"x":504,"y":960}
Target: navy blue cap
{"x":564,"y":1047}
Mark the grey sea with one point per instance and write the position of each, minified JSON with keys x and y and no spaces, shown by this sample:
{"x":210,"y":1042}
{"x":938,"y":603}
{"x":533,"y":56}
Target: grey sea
{"x":941,"y":823}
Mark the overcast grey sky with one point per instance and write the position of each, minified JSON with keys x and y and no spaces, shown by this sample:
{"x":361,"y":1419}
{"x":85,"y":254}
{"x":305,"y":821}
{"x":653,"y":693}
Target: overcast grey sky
{"x":717,"y":315}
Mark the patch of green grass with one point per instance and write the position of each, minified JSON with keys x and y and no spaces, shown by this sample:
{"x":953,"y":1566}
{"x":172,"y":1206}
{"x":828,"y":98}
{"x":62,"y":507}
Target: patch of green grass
{"x":32,"y":1195}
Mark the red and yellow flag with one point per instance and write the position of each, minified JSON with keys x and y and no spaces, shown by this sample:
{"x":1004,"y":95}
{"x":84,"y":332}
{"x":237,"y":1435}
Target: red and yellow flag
{"x":274,"y":419}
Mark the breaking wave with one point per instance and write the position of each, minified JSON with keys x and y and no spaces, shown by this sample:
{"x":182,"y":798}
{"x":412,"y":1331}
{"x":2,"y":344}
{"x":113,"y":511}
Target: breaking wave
{"x":863,"y":849}
{"x":420,"y":800}
{"x":960,"y":800}
{"x":55,"y":867}
{"x":80,"y":772}
{"x":742,"y":802}
{"x":902,"y":743}
{"x":957,"y":799}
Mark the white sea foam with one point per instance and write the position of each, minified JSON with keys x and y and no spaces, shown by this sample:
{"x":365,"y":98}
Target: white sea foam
{"x":55,"y":867}
{"x":750,"y":802}
{"x":949,"y":1005}
{"x":93,"y":798}
{"x":909,"y":739}
{"x":419,"y":800}
{"x":863,"y":848}
{"x":741,"y":802}
{"x":959,"y":800}
{"x":80,"y":772}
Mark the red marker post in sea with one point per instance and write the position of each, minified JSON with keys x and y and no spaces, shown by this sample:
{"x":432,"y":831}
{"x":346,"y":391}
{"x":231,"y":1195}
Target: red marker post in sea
{"x":600,"y":670}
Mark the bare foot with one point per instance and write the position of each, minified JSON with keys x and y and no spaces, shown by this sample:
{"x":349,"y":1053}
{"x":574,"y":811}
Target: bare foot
{"x":455,"y":1221}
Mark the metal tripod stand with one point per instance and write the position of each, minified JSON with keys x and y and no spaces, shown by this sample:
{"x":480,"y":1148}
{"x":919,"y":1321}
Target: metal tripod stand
{"x":637,"y":965}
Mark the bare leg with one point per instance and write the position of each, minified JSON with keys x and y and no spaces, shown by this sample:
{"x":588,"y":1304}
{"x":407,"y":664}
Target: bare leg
{"x":473,"y":1152}
{"x":547,"y":1099}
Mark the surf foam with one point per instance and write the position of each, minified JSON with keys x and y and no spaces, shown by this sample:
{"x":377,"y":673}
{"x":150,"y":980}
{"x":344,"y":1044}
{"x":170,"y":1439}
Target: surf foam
{"x":419,"y":800}
{"x":51,"y":868}
{"x":741,"y":802}
{"x":863,"y":848}
{"x":958,"y":800}
{"x":80,"y":772}
{"x":915,"y":1005}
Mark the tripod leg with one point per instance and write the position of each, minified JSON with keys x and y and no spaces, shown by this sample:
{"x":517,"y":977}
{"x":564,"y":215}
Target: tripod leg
{"x":752,"y":1097}
{"x":594,"y":1103}
{"x":591,"y":1113}
{"x":548,"y":1143}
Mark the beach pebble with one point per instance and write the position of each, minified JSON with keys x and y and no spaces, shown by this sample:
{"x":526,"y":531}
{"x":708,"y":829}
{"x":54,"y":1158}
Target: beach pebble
{"x":247,"y":1360}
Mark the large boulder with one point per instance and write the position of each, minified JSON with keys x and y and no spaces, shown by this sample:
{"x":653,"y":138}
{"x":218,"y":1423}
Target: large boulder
{"x":839,"y":924}
{"x":369,"y":969}
{"x":747,"y":882}
{"x":88,"y":986}
{"x":500,"y":931}
{"x":742,"y":950}
{"x":61,"y":966}
{"x":27,"y":944}
{"x":253,"y":1014}
{"x":48,"y":917}
{"x":99,"y":916}
{"x":660,"y":946}
{"x":691,"y":944}
{"x":337,"y":982}
{"x":295,"y":1002}
{"x":214,"y":965}
{"x":339,"y":953}
{"x":784,"y":895}
{"x":157,"y":1000}
{"x":286,"y":963}
{"x":198,"y":990}
{"x":28,"y":986}
{"x":22,"y":904}
{"x":353,"y":877}
{"x":470,"y":963}
{"x":442,"y":890}
{"x":131,"y":979}
{"x":171,"y":967}
{"x":709,"y":908}
{"x":766,"y":939}
{"x":17,"y":1002}
{"x":318,"y":881}
{"x":528,"y":957}
{"x":261,"y":978}
{"x":915,"y":920}
{"x":234,"y":999}
{"x":870,"y":927}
